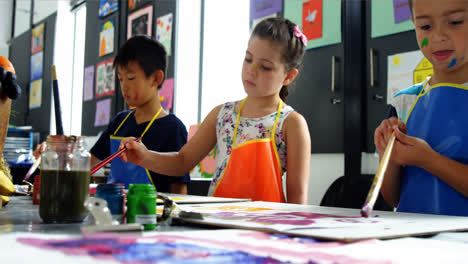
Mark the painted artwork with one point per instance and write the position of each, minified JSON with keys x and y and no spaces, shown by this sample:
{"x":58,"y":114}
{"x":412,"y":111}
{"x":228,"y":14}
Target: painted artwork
{"x":37,"y":39}
{"x":220,"y":246}
{"x":140,"y":22}
{"x":135,"y":4}
{"x":330,"y":20}
{"x":88,"y":83}
{"x":401,"y":10}
{"x":341,"y":224}
{"x":106,"y":38}
{"x":192,"y":199}
{"x":262,"y":8}
{"x":383,"y":20}
{"x":312,"y":12}
{"x":102,"y":112}
{"x":228,"y":246}
{"x":404,"y":70}
{"x":206,"y":167}
{"x":107,"y":7}
{"x":105,"y":78}
{"x":164,"y":31}
{"x":35,"y":94}
{"x":36,"y":65}
{"x":166,"y":94}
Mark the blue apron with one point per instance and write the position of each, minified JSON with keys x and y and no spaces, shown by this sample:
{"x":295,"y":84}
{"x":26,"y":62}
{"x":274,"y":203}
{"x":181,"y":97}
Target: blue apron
{"x":128,"y":173}
{"x":440,"y":117}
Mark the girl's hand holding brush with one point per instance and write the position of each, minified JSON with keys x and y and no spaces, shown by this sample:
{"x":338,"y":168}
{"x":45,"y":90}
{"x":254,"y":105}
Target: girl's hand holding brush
{"x":136,"y":151}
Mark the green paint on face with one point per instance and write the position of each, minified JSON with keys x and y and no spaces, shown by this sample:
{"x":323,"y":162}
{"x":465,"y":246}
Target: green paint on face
{"x":424,"y":43}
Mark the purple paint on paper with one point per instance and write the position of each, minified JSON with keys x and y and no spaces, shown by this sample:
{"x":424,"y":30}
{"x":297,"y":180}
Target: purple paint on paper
{"x":261,"y":8}
{"x":289,"y":218}
{"x":401,"y":10}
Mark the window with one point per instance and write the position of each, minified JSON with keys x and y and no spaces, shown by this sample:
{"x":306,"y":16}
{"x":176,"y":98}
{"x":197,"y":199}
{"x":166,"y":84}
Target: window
{"x":69,"y":60}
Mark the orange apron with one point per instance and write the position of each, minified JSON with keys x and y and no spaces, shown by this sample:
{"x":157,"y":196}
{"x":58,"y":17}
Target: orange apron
{"x":253,"y":169}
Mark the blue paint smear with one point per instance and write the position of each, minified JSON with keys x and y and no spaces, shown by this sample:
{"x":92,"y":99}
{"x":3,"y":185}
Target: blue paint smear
{"x":181,"y":253}
{"x":454,"y":61}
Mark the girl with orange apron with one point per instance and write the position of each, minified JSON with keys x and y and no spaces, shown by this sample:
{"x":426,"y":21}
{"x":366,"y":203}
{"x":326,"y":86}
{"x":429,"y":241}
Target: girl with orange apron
{"x":253,"y":169}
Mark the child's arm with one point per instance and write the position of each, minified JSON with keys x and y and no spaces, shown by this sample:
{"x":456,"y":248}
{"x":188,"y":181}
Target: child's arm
{"x":175,"y":163}
{"x":392,"y":181}
{"x":297,"y":138}
{"x":416,"y":152}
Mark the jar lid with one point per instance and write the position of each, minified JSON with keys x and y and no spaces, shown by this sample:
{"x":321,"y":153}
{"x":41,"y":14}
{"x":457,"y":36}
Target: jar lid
{"x":110,"y":187}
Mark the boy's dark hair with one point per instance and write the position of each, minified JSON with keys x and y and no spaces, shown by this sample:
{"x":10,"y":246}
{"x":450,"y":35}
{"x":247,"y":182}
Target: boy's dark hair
{"x":281,"y":31}
{"x":148,"y":53}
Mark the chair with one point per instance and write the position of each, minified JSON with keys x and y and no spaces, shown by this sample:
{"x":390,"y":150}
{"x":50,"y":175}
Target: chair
{"x":352,"y":193}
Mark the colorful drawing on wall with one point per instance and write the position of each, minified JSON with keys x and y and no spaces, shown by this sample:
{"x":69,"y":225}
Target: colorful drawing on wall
{"x":135,"y":4}
{"x":401,"y":10}
{"x":331,"y":20}
{"x":404,"y":70}
{"x":166,"y":94}
{"x":107,"y":7}
{"x":35,"y":94}
{"x":261,"y":8}
{"x":383,"y":19}
{"x":219,"y":246}
{"x":102,"y":112}
{"x":140,"y":22}
{"x":37,"y":39}
{"x":164,"y":31}
{"x":105,"y":78}
{"x":312,"y":12}
{"x":88,"y":83}
{"x":36,"y":65}
{"x":206,"y":167}
{"x":106,"y":38}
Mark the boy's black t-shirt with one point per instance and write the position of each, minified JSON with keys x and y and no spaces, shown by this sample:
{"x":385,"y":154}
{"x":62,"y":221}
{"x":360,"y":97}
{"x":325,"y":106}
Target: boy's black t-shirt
{"x":167,"y":134}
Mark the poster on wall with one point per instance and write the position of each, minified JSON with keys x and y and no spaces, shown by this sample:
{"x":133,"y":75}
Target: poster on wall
{"x":164,"y":31}
{"x":106,"y":38}
{"x":102,"y":112}
{"x":312,"y":19}
{"x":406,"y":69}
{"x":166,"y":94}
{"x":88,"y":83}
{"x":330,"y":20}
{"x":37,"y":39}
{"x":140,"y":22}
{"x":36,"y":65}
{"x":384,"y":21}
{"x":206,"y":167}
{"x":262,"y":8}
{"x":35,"y":94}
{"x":401,"y":10}
{"x":107,"y":7}
{"x":105,"y":79}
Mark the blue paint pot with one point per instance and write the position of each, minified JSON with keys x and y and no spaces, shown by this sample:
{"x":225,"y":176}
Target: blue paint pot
{"x":113,"y":194}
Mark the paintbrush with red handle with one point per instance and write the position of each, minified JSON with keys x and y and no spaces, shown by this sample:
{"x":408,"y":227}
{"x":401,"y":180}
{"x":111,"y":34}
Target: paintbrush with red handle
{"x":109,"y":159}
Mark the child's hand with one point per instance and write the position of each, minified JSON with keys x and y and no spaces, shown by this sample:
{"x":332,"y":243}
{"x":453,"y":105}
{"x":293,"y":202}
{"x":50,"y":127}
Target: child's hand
{"x":411,"y":151}
{"x":135,"y":150}
{"x":384,"y":131}
{"x":39,"y":149}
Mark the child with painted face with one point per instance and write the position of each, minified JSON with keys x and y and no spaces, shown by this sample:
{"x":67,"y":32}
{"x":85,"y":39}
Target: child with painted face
{"x":428,"y":172}
{"x":141,"y":64}
{"x":258,"y":138}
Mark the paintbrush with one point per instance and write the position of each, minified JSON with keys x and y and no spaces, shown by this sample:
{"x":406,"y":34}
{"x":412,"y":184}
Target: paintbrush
{"x":109,"y":159}
{"x":32,"y":169}
{"x":378,"y":179}
{"x":171,"y":208}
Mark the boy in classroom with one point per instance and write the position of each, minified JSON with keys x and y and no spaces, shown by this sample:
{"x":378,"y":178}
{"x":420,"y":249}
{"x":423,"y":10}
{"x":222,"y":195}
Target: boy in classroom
{"x":428,"y":170}
{"x":141,"y":64}
{"x":258,"y":138}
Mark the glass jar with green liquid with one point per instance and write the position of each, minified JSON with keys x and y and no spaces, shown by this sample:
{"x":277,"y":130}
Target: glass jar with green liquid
{"x":65,"y":167}
{"x":141,"y":205}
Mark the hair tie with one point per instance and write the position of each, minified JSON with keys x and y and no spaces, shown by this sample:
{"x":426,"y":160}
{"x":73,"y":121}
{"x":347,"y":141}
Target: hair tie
{"x":298,"y":33}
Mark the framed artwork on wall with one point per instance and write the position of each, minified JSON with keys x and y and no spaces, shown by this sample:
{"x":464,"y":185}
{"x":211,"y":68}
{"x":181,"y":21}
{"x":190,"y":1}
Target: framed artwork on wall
{"x":140,"y":22}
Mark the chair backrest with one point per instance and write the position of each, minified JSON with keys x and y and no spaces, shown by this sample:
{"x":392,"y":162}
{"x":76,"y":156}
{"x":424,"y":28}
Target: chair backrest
{"x":352,"y":193}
